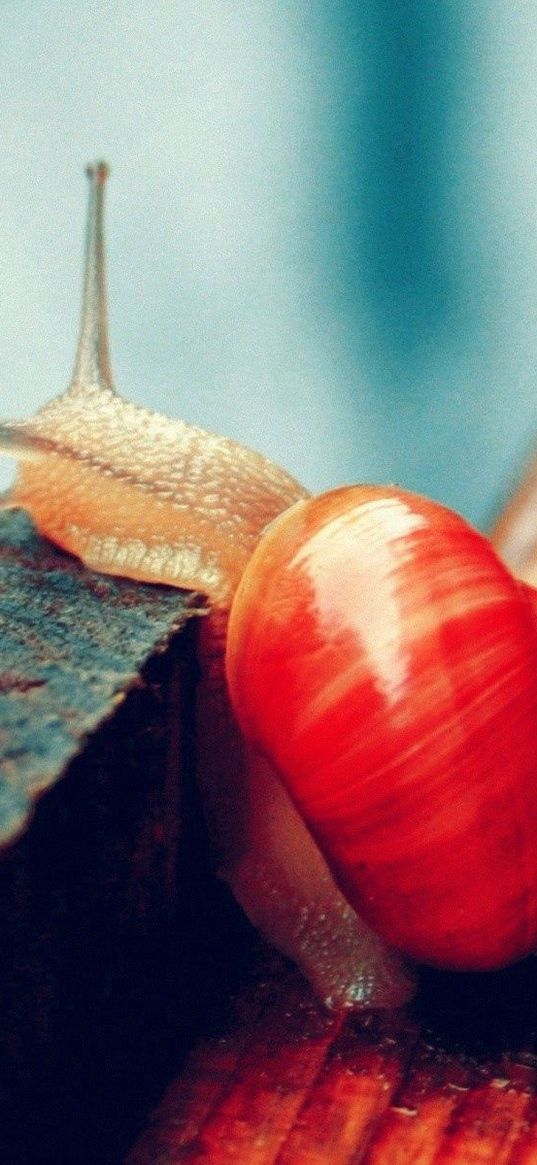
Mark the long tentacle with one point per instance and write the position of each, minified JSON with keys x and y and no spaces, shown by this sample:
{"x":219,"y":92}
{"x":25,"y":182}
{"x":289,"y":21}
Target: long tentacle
{"x":92,"y":363}
{"x":92,"y":369}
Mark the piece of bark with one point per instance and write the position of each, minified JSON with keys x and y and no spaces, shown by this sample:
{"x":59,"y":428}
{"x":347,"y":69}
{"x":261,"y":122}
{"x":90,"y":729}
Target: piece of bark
{"x":113,"y":929}
{"x":72,"y":646}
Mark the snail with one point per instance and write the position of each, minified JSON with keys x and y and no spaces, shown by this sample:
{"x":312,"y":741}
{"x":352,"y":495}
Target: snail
{"x":133,"y":493}
{"x":368,"y":787}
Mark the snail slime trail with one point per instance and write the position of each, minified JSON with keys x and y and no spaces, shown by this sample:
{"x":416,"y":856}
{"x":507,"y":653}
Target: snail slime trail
{"x":137,"y":494}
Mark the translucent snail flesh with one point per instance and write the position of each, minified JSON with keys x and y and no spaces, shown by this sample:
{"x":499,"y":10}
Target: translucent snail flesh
{"x":136,"y":494}
{"x":385,"y":661}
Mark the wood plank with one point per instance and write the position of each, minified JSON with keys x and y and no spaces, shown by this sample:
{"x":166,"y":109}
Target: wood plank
{"x":451,"y":1081}
{"x":354,"y":1088}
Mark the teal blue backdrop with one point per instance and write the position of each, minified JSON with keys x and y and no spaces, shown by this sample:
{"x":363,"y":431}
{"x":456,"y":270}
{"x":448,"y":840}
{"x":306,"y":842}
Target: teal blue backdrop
{"x":321,"y":223}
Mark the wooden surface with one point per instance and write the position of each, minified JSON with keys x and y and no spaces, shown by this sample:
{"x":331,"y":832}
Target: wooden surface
{"x":451,"y":1081}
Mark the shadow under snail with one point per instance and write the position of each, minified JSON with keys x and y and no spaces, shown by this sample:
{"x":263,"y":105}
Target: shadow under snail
{"x":378,"y":802}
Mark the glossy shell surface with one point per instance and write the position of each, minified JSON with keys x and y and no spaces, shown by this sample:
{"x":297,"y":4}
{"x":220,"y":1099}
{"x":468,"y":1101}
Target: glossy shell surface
{"x":384,"y":659}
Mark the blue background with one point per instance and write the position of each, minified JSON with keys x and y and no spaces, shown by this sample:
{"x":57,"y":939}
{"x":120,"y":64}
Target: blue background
{"x":321,"y":224}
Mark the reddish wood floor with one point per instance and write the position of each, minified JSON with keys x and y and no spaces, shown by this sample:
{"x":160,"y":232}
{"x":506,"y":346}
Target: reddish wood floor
{"x":284,"y":1083}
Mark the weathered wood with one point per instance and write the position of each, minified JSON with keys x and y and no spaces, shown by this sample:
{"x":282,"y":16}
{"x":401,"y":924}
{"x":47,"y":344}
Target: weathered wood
{"x":72,"y":646}
{"x":109,"y":914}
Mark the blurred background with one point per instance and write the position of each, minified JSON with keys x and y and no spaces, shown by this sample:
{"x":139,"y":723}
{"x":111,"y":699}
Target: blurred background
{"x":321,"y":223}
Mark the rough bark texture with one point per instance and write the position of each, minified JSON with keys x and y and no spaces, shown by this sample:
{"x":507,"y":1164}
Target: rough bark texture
{"x":109,"y":915}
{"x":73,"y":646}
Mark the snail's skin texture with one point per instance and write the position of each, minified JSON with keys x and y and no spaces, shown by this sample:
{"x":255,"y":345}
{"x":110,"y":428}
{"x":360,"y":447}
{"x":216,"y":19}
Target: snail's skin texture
{"x":395,"y":691}
{"x":136,"y":494}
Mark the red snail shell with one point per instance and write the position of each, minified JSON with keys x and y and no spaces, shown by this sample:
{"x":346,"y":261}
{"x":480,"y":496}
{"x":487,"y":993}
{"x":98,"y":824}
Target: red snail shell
{"x":384,"y":660}
{"x":137,"y":494}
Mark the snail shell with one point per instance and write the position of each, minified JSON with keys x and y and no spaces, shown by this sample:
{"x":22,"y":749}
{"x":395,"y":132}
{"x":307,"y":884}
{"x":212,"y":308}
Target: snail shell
{"x":136,"y":494}
{"x":384,"y":660}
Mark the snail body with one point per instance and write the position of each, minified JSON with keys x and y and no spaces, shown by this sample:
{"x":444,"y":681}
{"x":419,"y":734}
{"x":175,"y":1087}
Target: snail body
{"x":136,"y":494}
{"x":149,"y":498}
{"x":384,"y":660}
{"x":131,"y":492}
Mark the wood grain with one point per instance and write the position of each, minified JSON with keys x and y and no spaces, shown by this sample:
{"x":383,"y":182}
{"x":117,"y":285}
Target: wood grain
{"x":283,"y":1082}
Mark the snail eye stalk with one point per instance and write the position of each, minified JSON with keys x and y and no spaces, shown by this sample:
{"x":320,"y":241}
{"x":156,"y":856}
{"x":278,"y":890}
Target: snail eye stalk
{"x":92,"y":364}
